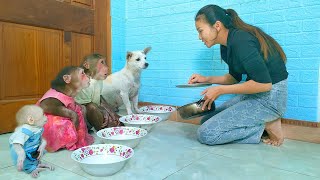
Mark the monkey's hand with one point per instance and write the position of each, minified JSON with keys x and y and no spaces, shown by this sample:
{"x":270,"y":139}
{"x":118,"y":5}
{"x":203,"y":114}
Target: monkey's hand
{"x":55,"y":107}
{"x":41,"y":148}
{"x":83,"y":110}
{"x":105,"y":104}
{"x":75,"y":119}
{"x":21,"y":155}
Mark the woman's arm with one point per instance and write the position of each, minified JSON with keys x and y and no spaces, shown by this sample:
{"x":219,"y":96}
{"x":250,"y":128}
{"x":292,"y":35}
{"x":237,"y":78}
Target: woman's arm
{"x":226,"y":79}
{"x":249,"y":87}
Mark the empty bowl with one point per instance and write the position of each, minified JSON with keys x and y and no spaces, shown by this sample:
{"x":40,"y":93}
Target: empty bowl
{"x":158,"y":110}
{"x":144,"y":121}
{"x":128,"y":136}
{"x":102,"y":159}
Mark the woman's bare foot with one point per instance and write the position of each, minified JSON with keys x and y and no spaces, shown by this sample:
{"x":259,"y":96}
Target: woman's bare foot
{"x":275,"y":135}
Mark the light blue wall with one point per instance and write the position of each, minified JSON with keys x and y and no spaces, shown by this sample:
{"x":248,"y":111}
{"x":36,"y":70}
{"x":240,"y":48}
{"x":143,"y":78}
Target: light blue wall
{"x":118,"y":33}
{"x":168,"y":26}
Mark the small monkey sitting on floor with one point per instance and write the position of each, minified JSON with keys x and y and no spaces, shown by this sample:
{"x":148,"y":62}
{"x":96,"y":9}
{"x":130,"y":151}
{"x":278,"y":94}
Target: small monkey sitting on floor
{"x":26,"y":144}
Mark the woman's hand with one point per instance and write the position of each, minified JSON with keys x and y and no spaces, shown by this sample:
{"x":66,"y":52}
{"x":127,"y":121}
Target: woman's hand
{"x":210,"y":94}
{"x":197,"y":78}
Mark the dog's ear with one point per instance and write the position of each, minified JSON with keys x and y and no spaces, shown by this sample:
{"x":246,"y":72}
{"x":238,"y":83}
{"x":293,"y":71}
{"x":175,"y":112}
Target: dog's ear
{"x":129,"y":55}
{"x":146,"y":50}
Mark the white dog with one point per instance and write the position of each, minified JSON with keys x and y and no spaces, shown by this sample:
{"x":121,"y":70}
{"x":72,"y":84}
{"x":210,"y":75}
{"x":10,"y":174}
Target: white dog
{"x":122,"y":87}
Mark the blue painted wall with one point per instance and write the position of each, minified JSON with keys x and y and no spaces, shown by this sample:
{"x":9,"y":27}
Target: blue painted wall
{"x":118,"y":33}
{"x":168,"y":26}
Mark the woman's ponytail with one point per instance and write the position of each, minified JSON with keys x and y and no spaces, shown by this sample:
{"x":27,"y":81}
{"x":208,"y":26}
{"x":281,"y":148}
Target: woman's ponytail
{"x":268,"y":45}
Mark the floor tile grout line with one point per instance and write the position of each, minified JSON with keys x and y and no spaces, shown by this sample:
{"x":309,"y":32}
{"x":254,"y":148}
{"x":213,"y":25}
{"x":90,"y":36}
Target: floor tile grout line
{"x":6,"y":167}
{"x":242,"y":160}
{"x":51,"y":163}
{"x":65,"y":169}
{"x":186,"y":165}
{"x":223,"y":155}
{"x":200,"y":150}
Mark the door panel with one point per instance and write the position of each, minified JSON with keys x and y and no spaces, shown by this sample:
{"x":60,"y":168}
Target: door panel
{"x":19,"y":56}
{"x":8,"y":111}
{"x":82,"y":45}
{"x":50,"y":56}
{"x":49,"y":14}
{"x":31,"y":57}
{"x":83,"y":3}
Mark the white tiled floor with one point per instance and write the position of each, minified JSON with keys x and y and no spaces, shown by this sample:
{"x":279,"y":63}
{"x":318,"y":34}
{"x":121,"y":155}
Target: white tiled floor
{"x":171,"y":151}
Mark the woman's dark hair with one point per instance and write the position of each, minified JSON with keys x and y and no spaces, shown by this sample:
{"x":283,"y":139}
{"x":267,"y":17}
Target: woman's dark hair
{"x":230,"y":19}
{"x":58,"y":83}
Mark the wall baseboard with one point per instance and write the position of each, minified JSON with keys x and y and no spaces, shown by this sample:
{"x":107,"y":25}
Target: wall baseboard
{"x":300,"y":123}
{"x":293,"y":129}
{"x":301,"y":130}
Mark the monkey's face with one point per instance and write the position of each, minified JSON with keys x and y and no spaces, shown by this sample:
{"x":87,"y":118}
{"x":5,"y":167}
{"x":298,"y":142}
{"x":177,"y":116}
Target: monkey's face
{"x":37,"y":118}
{"x":79,"y":80}
{"x":40,"y":121}
{"x":101,"y":70}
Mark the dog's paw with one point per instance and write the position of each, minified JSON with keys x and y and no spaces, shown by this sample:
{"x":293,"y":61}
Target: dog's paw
{"x":129,"y":112}
{"x":138,"y":111}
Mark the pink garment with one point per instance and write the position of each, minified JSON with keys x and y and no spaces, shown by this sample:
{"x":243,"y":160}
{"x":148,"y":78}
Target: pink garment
{"x":60,"y":131}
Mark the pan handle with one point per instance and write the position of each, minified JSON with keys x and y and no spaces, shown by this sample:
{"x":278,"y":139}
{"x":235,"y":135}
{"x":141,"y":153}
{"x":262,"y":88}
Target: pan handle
{"x":200,"y":101}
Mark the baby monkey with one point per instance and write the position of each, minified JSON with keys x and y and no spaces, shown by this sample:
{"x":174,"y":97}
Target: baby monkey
{"x":26,"y":143}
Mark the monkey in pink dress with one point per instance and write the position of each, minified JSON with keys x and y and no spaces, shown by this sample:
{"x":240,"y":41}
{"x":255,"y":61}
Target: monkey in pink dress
{"x":66,"y":127}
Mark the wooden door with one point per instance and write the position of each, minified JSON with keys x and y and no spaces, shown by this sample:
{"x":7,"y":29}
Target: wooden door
{"x":30,"y":57}
{"x":82,"y":45}
{"x":37,"y":39}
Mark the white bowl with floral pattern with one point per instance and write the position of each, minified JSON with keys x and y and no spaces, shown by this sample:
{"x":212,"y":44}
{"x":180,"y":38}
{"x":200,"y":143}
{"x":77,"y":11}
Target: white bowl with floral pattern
{"x":158,"y":110}
{"x":102,"y":159}
{"x":144,"y":121}
{"x":128,"y":136}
